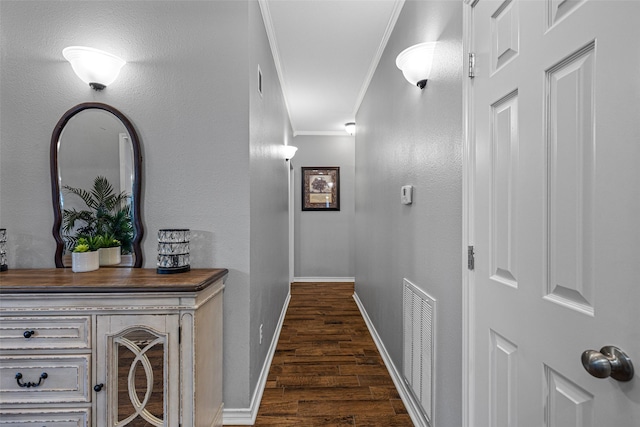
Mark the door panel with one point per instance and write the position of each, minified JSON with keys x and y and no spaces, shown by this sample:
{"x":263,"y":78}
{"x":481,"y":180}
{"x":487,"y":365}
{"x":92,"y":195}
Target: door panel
{"x":505,"y":34}
{"x":555,"y":105}
{"x":569,"y":125}
{"x":568,"y":405}
{"x":504,"y":381}
{"x":504,"y":147}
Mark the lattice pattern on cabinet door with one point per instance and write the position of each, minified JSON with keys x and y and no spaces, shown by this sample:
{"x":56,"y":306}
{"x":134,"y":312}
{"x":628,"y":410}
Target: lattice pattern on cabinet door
{"x":138,"y":400}
{"x":419,"y":343}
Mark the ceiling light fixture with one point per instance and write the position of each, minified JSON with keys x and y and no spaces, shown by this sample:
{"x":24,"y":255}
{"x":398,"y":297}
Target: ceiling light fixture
{"x":95,"y":67}
{"x":350,"y":128}
{"x":415,"y":63}
{"x":289,"y":151}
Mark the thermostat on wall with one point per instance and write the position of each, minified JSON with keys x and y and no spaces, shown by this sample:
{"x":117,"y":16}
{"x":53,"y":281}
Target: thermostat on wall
{"x":407,"y":194}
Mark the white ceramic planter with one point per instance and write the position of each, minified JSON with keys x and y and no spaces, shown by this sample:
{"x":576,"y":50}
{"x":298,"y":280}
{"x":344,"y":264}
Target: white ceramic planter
{"x":109,"y":256}
{"x":85,"y":261}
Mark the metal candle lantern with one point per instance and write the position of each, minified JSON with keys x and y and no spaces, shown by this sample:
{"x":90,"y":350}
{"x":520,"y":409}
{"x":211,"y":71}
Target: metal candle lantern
{"x":3,"y":249}
{"x":173,"y":250}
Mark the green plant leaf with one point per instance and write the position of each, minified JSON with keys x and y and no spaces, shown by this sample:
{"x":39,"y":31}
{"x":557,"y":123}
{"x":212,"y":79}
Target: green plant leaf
{"x":109,"y":214}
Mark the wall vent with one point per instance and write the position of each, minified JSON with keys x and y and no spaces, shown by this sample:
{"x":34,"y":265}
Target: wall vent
{"x":419,"y":345}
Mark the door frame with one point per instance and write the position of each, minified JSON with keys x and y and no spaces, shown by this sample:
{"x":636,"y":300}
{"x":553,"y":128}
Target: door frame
{"x":468,"y":182}
{"x":292,"y":212}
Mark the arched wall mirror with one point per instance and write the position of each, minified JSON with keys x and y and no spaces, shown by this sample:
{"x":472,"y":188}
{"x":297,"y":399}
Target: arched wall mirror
{"x":96,"y":167}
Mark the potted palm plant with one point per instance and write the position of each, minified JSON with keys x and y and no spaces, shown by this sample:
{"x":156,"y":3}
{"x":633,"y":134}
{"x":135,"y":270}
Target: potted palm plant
{"x":85,"y":256}
{"x":108,"y":214}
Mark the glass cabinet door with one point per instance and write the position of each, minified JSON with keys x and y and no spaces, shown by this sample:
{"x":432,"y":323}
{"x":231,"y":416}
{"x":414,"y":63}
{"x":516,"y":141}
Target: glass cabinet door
{"x":137,"y":366}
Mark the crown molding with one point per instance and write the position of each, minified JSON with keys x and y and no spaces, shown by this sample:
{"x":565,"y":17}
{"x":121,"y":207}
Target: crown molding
{"x":273,"y":42}
{"x":320,"y":133}
{"x":397,"y":8}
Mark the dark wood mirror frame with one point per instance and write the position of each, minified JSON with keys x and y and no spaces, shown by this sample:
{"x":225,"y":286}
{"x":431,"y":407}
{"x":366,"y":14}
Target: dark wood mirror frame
{"x":137,"y":175}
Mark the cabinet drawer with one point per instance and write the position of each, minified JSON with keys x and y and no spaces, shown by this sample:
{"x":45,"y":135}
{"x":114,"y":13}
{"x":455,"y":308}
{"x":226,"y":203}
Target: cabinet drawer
{"x":67,"y":379}
{"x":47,"y":332}
{"x":48,"y":418}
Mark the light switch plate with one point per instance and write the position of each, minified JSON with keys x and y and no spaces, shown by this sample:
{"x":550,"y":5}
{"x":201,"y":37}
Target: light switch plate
{"x":407,"y":194}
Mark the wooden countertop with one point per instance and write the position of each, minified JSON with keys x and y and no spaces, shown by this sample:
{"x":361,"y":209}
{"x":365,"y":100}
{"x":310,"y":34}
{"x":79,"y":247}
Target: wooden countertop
{"x":63,"y":280}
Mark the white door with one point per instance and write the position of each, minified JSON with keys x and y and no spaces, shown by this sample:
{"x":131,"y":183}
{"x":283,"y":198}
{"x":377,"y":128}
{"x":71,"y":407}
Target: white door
{"x":555,"y":210}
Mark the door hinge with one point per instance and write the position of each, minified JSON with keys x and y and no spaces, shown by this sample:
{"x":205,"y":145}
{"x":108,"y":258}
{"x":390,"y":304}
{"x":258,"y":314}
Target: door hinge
{"x":472,"y":65}
{"x":471,"y":258}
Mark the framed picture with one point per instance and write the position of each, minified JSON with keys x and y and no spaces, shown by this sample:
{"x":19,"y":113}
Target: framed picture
{"x":320,"y":188}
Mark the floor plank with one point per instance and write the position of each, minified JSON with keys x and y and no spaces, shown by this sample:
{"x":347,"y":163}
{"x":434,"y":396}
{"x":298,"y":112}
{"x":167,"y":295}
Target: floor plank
{"x":326,"y":370}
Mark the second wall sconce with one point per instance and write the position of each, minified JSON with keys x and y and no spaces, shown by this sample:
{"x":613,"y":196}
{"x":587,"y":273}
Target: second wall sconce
{"x":95,"y":67}
{"x":415,"y":63}
{"x":350,"y":128}
{"x":289,"y":151}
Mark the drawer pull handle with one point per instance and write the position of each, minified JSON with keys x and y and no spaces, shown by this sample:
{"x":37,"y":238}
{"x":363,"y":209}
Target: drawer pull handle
{"x":29,"y":384}
{"x":98,"y":387}
{"x":28,"y":334}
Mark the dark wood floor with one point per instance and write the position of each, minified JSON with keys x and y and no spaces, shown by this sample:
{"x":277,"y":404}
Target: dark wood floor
{"x":326,"y":370}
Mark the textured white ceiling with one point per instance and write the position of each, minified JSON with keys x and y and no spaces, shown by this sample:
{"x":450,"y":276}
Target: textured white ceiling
{"x":326,"y":52}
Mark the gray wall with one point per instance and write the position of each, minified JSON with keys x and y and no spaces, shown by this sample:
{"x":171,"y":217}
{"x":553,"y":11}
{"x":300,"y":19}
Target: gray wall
{"x":269,"y":130}
{"x":185,"y":90}
{"x":408,"y":136}
{"x":324,"y":241}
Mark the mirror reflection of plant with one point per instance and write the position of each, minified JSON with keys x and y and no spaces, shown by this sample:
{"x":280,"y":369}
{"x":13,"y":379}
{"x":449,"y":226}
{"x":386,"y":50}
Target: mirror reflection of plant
{"x":109,"y":215}
{"x":107,"y":241}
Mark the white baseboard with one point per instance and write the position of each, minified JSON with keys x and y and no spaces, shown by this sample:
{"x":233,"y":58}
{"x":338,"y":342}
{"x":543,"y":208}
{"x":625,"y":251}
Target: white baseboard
{"x":412,"y":405}
{"x":238,"y":417}
{"x":247,"y":416}
{"x":325,"y":279}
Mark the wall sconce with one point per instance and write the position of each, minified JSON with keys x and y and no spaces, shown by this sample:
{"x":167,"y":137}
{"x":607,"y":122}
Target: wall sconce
{"x":95,"y":67}
{"x":415,"y":63}
{"x":289,"y":151}
{"x":350,"y":128}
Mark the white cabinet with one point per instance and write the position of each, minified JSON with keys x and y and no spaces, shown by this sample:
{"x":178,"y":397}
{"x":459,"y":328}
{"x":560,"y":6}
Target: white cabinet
{"x":115,"y":347}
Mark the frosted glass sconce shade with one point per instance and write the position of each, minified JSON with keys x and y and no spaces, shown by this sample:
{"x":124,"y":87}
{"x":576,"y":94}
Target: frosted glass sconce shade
{"x":415,"y":63}
{"x":350,"y":128}
{"x":95,"y":67}
{"x":289,"y":151}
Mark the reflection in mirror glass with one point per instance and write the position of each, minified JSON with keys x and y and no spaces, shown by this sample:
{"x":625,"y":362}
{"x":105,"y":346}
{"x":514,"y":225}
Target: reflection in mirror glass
{"x":96,"y":176}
